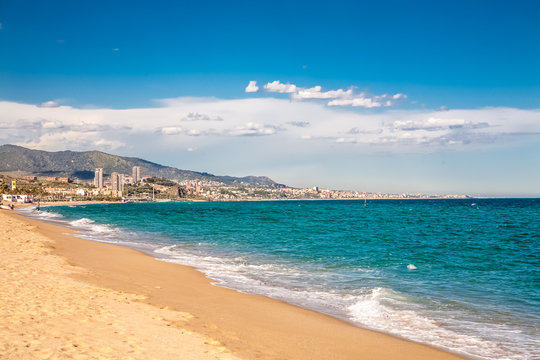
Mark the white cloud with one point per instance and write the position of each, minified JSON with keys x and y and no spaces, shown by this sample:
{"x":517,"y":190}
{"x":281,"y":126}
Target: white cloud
{"x":51,"y":124}
{"x":71,"y":140}
{"x":50,"y":104}
{"x":195,"y":116}
{"x":254,"y":129}
{"x":339,"y":97}
{"x":359,"y":101}
{"x":194,"y":132}
{"x":107,"y":144}
{"x":346,"y":140}
{"x":252,"y":87}
{"x":283,"y":124}
{"x":399,"y":96}
{"x":171,"y":130}
{"x":93,"y":127}
{"x":435,"y":123}
{"x":317,"y":93}
{"x":299,"y":123}
{"x":277,"y":87}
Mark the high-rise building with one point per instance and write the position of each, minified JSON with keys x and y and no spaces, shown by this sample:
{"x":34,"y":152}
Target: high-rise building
{"x":121,"y":181}
{"x":114,"y":181}
{"x":136,"y":174}
{"x":117,"y":184}
{"x":98,"y":178}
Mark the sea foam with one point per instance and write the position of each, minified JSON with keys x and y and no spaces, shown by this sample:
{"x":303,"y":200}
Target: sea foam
{"x":91,"y":226}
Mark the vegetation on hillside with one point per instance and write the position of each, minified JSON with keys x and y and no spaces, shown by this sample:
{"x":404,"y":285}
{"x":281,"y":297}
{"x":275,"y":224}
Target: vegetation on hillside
{"x":81,"y":165}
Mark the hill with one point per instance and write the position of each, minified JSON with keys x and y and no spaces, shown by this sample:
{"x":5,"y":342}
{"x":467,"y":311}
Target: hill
{"x":81,"y":165}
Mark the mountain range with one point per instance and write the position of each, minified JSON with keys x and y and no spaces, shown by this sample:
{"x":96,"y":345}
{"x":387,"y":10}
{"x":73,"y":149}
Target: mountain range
{"x":81,"y":165}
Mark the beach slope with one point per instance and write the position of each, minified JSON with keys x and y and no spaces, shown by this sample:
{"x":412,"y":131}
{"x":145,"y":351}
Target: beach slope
{"x":46,"y":313}
{"x":65,"y":297}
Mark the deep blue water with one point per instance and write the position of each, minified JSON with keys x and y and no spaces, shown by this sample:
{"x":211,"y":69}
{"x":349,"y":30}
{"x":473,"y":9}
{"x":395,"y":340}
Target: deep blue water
{"x":474,"y":287}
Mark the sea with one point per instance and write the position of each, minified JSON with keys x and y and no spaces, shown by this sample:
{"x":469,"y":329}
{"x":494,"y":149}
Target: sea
{"x":461,"y":275}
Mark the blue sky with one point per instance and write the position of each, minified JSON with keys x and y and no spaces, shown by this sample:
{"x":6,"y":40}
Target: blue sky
{"x":452,"y":68}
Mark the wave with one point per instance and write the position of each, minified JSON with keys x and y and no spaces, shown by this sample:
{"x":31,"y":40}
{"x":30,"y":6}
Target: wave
{"x":89,"y":228}
{"x":90,"y":225}
{"x":44,"y":215}
{"x":377,"y":308}
{"x":81,"y":222}
{"x":385,"y":310}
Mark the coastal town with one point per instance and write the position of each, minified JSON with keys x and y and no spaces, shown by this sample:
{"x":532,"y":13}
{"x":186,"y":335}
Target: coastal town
{"x":138,"y":187}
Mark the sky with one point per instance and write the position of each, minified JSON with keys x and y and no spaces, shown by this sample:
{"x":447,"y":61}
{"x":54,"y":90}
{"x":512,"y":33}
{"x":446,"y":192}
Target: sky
{"x":393,"y":96}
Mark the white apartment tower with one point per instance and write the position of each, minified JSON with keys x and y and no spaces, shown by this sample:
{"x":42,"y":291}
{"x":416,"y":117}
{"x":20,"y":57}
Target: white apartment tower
{"x":98,"y":178}
{"x":136,"y":174}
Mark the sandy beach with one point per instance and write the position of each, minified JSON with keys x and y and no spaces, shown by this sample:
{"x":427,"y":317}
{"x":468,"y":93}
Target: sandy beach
{"x":63,"y":297}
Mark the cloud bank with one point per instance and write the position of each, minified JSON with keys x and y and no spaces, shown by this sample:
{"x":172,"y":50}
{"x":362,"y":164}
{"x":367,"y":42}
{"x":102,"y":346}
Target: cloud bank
{"x":221,"y":121}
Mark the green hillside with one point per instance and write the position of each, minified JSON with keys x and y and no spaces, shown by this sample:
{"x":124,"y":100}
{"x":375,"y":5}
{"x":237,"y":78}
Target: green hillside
{"x":17,"y":159}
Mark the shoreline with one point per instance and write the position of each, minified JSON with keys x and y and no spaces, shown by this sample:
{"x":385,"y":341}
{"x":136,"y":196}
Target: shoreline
{"x":90,"y":202}
{"x":250,"y":326}
{"x":46,"y":312}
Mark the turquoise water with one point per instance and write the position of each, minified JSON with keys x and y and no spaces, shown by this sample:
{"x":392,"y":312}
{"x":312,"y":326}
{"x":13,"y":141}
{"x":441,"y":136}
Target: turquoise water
{"x":462,"y":275}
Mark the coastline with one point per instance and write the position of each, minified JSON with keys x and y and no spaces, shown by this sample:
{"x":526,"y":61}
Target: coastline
{"x":249,"y":326}
{"x":47,"y":313}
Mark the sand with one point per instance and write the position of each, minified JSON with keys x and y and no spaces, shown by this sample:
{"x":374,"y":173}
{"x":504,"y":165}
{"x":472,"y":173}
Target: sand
{"x":46,"y":313}
{"x":64,"y":297}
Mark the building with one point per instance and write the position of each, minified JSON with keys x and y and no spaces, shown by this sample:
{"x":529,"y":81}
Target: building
{"x":136,"y":174}
{"x":17,"y":198}
{"x":98,"y":178}
{"x":117,"y":184}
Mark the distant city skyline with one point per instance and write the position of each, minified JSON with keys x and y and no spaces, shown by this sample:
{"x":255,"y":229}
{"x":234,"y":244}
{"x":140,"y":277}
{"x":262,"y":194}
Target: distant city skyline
{"x":417,"y":97}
